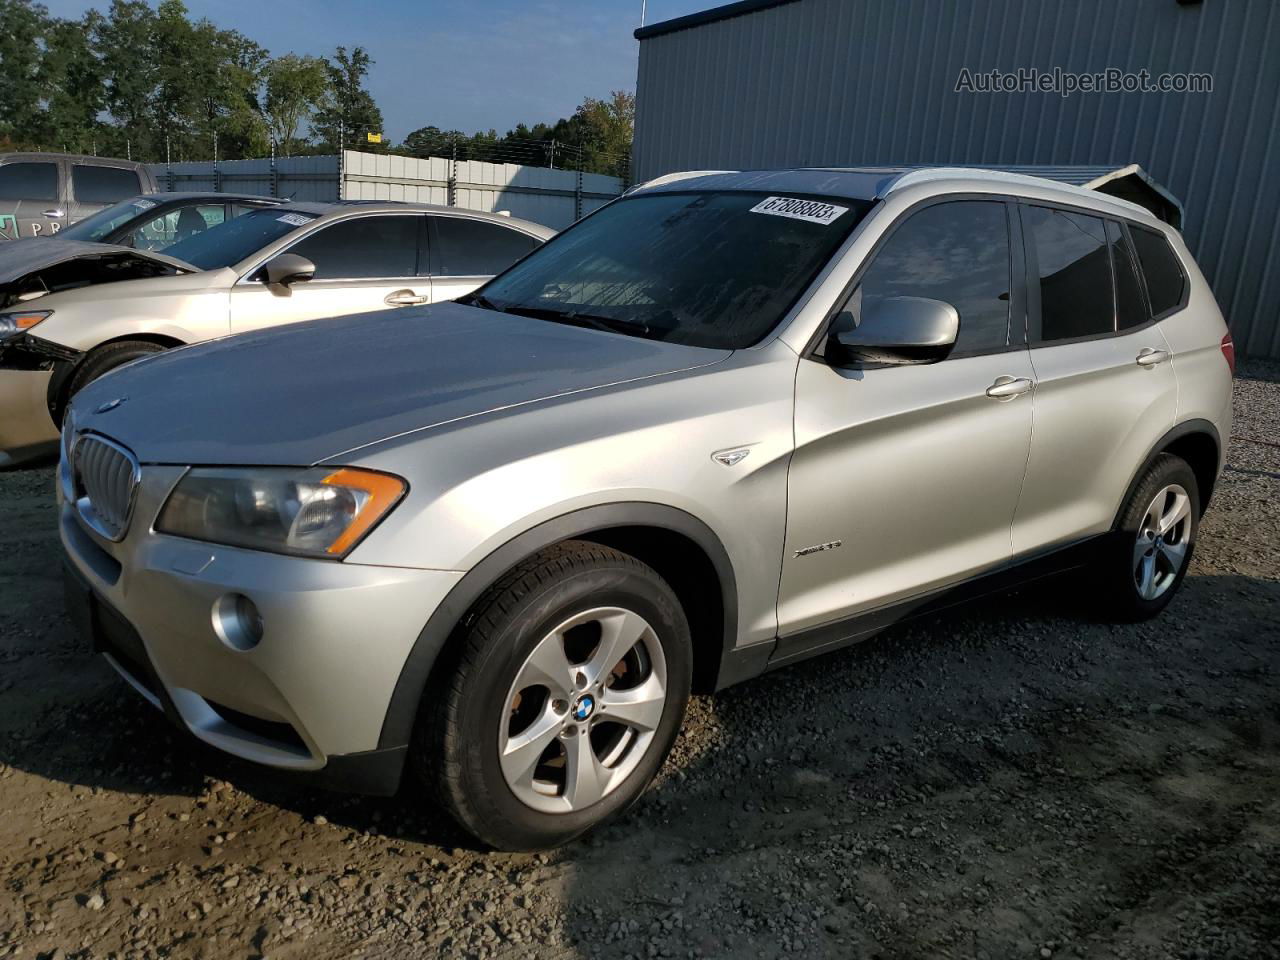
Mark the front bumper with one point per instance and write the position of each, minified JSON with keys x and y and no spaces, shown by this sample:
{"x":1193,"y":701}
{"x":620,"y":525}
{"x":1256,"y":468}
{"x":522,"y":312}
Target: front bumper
{"x":26,"y":429}
{"x":311,"y":697}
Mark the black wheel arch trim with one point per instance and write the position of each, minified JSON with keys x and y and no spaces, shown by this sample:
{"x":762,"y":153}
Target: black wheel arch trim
{"x":402,"y":711}
{"x":1184,"y":429}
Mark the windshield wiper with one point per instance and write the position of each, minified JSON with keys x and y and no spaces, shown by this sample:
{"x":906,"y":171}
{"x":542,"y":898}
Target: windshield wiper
{"x":595,"y":321}
{"x":480,"y":300}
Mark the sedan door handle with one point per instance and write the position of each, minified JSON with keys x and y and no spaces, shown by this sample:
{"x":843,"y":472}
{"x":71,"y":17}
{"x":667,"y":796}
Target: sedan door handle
{"x":405,"y":298}
{"x":1149,"y":356}
{"x":55,"y":213}
{"x":1006,"y":388}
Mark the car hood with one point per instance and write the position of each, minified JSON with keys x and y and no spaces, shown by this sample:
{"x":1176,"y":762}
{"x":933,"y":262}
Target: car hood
{"x":307,"y":392}
{"x":37,"y":264}
{"x":38,"y":253}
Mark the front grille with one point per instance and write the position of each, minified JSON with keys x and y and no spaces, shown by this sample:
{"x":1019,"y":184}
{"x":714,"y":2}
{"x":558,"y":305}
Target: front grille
{"x":105,"y":478}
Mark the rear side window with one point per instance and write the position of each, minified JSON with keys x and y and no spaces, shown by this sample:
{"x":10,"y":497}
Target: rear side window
{"x":1076,"y":298}
{"x":956,"y":252}
{"x":473,"y":248}
{"x":29,"y":181}
{"x":1166,"y":283}
{"x":363,"y":248}
{"x":103,"y":184}
{"x":1131,"y":311}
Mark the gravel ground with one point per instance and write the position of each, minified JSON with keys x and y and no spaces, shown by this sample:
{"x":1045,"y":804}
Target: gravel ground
{"x":1009,"y":781}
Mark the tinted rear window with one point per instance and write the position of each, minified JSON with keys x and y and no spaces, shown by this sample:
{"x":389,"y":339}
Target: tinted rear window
{"x":1075,"y":274}
{"x":29,"y":181}
{"x":473,"y":248}
{"x":1166,"y":283}
{"x":103,"y":184}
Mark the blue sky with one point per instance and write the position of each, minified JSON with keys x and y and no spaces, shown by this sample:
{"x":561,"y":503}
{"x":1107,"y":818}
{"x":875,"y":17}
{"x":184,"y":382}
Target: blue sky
{"x":456,"y":64}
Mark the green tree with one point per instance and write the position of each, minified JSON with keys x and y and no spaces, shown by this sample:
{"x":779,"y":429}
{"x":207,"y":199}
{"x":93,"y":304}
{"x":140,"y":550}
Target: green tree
{"x":124,"y":41}
{"x":71,"y":79}
{"x":22,"y":29}
{"x":295,"y":87}
{"x":348,"y":112}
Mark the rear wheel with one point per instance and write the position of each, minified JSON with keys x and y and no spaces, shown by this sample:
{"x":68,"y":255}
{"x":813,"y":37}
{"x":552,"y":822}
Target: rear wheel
{"x":566,"y":693}
{"x":1151,"y":549}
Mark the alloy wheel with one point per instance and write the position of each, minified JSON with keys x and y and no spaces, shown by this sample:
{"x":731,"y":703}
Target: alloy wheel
{"x":1163,"y":538}
{"x":582,"y":710}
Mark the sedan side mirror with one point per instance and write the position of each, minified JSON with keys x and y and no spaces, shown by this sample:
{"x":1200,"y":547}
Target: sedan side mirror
{"x":289,"y":268}
{"x":898,"y":330}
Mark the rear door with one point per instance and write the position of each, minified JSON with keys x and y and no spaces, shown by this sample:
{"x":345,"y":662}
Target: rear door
{"x":31,"y":199}
{"x":363,"y":263}
{"x":1105,"y":389}
{"x":466,"y":253}
{"x":95,"y":186}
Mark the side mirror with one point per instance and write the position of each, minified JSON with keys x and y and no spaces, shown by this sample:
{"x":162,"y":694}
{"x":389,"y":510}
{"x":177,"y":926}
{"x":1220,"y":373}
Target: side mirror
{"x":288,"y":268}
{"x":898,"y":330}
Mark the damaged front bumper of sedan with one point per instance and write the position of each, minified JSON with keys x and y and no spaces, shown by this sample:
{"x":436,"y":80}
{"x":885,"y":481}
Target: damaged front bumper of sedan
{"x":32,"y":372}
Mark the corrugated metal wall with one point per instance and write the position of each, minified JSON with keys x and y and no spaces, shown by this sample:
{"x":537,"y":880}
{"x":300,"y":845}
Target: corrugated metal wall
{"x":873,"y":82}
{"x":552,"y":197}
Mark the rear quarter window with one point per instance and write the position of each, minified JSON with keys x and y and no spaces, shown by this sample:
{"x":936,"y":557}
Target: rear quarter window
{"x":1165,"y":278}
{"x":103,"y":184}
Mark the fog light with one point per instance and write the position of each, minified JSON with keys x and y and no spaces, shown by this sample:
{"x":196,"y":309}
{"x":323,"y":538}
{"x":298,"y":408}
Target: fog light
{"x":237,"y":621}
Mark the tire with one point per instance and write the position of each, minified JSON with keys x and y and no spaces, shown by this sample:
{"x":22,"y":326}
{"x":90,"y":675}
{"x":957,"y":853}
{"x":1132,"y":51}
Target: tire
{"x":1143,"y":564}
{"x":490,"y":698}
{"x":106,"y":358}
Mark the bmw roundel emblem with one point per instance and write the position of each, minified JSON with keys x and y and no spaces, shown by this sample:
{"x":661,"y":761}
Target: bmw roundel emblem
{"x":585,"y":706}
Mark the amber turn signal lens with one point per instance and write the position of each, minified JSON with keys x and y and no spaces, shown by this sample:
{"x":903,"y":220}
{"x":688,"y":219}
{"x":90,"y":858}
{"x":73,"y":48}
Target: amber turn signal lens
{"x":384,"y":492}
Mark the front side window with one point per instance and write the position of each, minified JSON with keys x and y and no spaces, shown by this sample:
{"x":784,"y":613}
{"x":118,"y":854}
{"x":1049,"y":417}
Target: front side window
{"x":708,"y":269}
{"x":239,"y":238}
{"x":175,"y":225}
{"x":1076,"y":297}
{"x":1166,"y":281}
{"x":956,"y":252}
{"x":474,"y":248}
{"x":29,"y":181}
{"x":363,"y":248}
{"x":103,"y":184}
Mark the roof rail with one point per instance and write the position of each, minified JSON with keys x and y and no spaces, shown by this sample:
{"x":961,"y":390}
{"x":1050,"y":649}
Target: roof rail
{"x":676,"y":177}
{"x":930,"y":174}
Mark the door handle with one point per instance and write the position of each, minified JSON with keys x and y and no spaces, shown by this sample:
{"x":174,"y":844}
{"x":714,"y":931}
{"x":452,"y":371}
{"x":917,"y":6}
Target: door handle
{"x":1006,"y":388}
{"x":1149,"y":356}
{"x":405,"y":298}
{"x":55,"y":213}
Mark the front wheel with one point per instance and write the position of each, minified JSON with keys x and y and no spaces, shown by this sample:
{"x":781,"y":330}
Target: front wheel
{"x":565,"y":696}
{"x":1150,"y":549}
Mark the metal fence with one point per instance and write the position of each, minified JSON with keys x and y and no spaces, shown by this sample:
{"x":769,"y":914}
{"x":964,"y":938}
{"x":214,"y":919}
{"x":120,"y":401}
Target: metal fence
{"x":555,"y":198}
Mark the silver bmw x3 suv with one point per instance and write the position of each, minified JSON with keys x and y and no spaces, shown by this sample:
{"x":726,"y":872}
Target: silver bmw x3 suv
{"x":727,"y":422}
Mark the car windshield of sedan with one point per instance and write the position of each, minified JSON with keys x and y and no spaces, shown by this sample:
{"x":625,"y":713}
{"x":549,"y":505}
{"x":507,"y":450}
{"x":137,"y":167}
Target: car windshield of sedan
{"x":94,"y":228}
{"x":706,"y":269}
{"x":236,"y":239}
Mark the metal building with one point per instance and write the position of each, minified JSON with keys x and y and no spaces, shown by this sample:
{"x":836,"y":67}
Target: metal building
{"x":776,"y":83}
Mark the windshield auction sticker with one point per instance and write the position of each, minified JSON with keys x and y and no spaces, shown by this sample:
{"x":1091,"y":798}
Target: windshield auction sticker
{"x":295,"y":219}
{"x":813,"y":211}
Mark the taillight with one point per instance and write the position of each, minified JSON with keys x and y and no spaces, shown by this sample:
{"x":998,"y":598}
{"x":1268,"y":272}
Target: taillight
{"x":1229,"y":351}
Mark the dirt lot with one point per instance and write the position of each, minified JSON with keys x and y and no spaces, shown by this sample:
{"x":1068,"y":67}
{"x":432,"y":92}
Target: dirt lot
{"x":1010,"y":781}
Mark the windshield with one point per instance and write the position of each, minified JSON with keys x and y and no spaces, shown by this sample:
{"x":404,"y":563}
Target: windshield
{"x":94,"y":228}
{"x":239,"y":238}
{"x":704,"y":269}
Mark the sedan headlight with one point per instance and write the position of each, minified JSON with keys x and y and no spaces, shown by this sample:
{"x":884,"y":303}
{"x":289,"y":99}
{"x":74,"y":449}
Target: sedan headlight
{"x":20,"y":321}
{"x":318,"y":512}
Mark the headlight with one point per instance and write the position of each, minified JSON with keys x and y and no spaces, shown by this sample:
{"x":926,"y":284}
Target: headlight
{"x":318,"y":512}
{"x":20,"y":321}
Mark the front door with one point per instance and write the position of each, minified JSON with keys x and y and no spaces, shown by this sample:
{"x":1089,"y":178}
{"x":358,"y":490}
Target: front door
{"x":363,"y":263}
{"x":905,"y":478}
